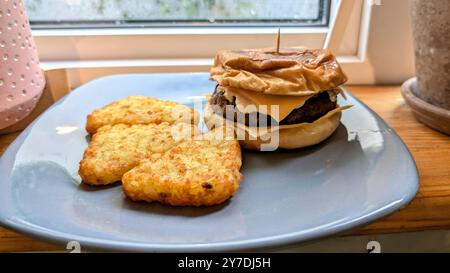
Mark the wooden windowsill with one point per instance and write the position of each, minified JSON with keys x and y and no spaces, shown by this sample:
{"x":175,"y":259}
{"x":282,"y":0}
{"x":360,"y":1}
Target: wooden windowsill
{"x":431,"y":150}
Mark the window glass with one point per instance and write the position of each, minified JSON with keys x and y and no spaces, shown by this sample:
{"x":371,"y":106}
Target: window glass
{"x":154,"y":13}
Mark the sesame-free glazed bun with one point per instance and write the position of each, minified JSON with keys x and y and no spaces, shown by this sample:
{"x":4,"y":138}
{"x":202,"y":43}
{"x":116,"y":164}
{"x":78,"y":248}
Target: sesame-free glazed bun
{"x":291,"y":71}
{"x":289,"y":137}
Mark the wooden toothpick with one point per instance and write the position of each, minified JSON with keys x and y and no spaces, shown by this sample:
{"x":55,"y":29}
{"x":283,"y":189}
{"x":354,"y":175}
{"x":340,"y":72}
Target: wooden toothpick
{"x":278,"y":41}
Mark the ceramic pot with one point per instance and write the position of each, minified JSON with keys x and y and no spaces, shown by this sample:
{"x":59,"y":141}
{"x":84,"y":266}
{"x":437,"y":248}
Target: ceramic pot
{"x":431,"y":30}
{"x":429,"y":93}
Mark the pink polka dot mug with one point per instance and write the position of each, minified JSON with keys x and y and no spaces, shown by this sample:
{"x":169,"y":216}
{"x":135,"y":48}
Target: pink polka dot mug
{"x":21,"y":78}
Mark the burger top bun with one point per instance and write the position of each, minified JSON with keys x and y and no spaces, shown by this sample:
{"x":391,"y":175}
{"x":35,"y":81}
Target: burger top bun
{"x":293,"y":71}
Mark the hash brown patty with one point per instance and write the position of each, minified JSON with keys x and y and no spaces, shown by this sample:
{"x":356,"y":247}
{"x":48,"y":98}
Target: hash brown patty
{"x":140,"y":110}
{"x":193,"y":173}
{"x":115,"y":149}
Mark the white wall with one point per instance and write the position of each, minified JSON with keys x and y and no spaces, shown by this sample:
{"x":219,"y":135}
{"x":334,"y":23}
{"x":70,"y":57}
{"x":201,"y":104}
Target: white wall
{"x":390,"y":47}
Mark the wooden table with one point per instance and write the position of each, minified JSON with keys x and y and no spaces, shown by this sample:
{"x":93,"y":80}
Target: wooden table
{"x":431,"y":151}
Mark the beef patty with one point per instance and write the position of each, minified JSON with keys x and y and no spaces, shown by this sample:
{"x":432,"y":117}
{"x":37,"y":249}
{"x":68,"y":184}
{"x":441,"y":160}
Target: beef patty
{"x":313,"y":109}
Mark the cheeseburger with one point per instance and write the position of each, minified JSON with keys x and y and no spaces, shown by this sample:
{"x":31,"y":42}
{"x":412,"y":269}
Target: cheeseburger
{"x":289,"y":95}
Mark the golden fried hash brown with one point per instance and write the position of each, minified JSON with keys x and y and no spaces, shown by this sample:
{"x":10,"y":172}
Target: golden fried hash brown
{"x":115,"y":149}
{"x":193,"y":173}
{"x":140,"y":110}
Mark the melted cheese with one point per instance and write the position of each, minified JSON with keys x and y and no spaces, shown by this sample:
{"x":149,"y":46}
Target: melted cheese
{"x":247,"y":102}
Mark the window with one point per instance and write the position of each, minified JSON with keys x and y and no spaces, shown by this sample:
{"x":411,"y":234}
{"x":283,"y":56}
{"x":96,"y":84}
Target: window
{"x":154,"y":13}
{"x":184,"y":35}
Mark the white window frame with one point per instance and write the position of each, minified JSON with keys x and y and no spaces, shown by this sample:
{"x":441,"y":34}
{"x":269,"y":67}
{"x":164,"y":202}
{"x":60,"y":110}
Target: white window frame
{"x":99,"y":52}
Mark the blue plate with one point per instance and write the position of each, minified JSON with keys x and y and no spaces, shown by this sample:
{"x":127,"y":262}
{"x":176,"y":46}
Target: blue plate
{"x":361,"y":173}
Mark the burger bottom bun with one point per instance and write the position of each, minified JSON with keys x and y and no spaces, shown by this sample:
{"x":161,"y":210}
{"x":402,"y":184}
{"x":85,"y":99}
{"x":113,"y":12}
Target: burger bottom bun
{"x":304,"y":135}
